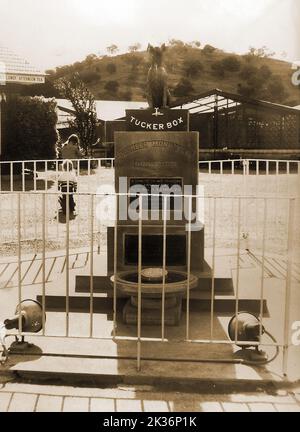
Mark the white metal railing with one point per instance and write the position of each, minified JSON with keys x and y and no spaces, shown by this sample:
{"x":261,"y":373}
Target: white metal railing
{"x":34,"y":175}
{"x":214,"y":226}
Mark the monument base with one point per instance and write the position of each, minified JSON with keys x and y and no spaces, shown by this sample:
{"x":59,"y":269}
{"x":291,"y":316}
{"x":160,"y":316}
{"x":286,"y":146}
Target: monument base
{"x":151,"y":308}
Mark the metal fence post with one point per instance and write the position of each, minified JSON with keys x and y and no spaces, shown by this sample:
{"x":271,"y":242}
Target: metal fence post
{"x":115,"y":266}
{"x":19,"y":258}
{"x":44,"y":258}
{"x":288,"y":287}
{"x":213,"y":272}
{"x":139,"y":319}
{"x":67,"y":261}
{"x":187,"y":336}
{"x":164,"y":268}
{"x":238,"y":268}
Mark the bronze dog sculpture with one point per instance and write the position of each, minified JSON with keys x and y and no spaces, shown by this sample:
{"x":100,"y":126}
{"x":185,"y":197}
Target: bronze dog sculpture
{"x":158,"y":93}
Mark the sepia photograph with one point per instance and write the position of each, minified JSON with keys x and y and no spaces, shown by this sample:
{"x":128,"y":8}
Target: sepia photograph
{"x":149,"y":209}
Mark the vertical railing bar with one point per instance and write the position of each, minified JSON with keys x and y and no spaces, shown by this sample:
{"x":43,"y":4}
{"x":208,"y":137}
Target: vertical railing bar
{"x":12,"y":217}
{"x":213,"y":273}
{"x":35,"y":223}
{"x":209,"y":167}
{"x":35,"y":210}
{"x":187,"y":336}
{"x":288,"y":288}
{"x":89,"y":174}
{"x":57,"y":197}
{"x":288,"y":177}
{"x":232,"y":167}
{"x":67,"y":262}
{"x":139,"y":320}
{"x":24,"y":214}
{"x":19,"y":260}
{"x":237,"y":270}
{"x":256,"y":195}
{"x":92,"y":266}
{"x":44,"y":259}
{"x":164,"y":268}
{"x":277,"y":190}
{"x":78,"y":198}
{"x":34,"y":176}
{"x":23,"y":176}
{"x":115,"y":266}
{"x":262,"y":281}
{"x":11,"y":176}
{"x":46,"y":180}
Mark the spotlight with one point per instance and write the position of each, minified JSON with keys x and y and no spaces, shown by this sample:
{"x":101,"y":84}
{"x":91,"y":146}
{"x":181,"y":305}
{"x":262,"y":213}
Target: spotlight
{"x":30,"y":314}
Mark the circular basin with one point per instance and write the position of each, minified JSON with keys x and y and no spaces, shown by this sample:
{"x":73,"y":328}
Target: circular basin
{"x":176,"y":282}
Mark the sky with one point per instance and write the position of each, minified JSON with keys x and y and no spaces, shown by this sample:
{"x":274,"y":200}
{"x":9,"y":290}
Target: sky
{"x":50,"y":33}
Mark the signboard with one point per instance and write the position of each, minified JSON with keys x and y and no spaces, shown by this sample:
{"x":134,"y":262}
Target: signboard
{"x":21,"y":79}
{"x":157,"y":120}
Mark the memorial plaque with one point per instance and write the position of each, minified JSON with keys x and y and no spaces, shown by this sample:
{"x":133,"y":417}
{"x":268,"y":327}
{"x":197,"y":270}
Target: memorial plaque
{"x":153,"y":155}
{"x":162,"y":120}
{"x":158,"y":186}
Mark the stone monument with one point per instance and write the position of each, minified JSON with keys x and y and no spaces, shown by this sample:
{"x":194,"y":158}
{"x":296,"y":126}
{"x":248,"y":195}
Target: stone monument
{"x":156,"y":155}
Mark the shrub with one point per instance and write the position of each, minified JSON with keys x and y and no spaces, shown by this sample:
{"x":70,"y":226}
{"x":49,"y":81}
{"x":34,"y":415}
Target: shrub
{"x":218,"y":68}
{"x":183,"y":88}
{"x":111,"y":68}
{"x":192,"y":67}
{"x":265,"y":72}
{"x":89,"y":76}
{"x":275,"y":91}
{"x":248,"y":71}
{"x":208,"y":49}
{"x":231,"y":63}
{"x":29,"y":128}
{"x":112,"y":86}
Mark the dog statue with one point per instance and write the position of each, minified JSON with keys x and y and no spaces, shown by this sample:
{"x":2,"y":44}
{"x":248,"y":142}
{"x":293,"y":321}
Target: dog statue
{"x":158,"y":93}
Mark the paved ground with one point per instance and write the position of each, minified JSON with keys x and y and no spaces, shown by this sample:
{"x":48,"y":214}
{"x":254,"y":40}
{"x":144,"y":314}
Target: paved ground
{"x":15,"y":397}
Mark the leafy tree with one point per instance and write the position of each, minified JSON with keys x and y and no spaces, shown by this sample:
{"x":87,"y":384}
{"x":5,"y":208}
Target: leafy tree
{"x":248,"y":71}
{"x":196,"y":44}
{"x":111,"y":68}
{"x":262,"y":52}
{"x":90,"y":59}
{"x":89,"y":76}
{"x":183,"y":88}
{"x":218,"y":68}
{"x":265,"y":72}
{"x":176,"y":43}
{"x":85,"y":116}
{"x":29,"y":128}
{"x":231,"y":63}
{"x":134,"y":60}
{"x":135,"y":47}
{"x":275,"y":91}
{"x":192,"y":67}
{"x":112,"y":86}
{"x":208,"y":49}
{"x":112,"y":49}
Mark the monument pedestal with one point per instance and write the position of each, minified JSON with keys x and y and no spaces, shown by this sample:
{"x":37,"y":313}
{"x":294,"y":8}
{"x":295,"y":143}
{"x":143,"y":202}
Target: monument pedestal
{"x":151,"y":311}
{"x":158,"y":158}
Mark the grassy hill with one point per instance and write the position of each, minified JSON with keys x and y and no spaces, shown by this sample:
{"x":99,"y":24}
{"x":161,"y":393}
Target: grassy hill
{"x":191,"y":70}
